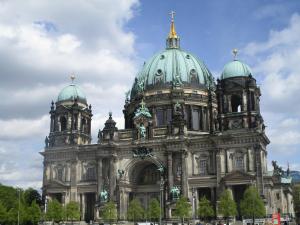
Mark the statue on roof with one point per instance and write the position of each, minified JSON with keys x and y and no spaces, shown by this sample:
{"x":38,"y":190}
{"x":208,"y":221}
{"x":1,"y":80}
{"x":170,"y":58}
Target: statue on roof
{"x":278,"y":171}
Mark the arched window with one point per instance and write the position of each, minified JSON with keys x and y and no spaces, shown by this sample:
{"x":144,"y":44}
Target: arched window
{"x":149,"y":175}
{"x":83,"y":125}
{"x":239,"y":163}
{"x":63,"y":123}
{"x":163,"y":116}
{"x":90,"y":173}
{"x":59,"y":174}
{"x":236,"y":103}
{"x":203,"y":167}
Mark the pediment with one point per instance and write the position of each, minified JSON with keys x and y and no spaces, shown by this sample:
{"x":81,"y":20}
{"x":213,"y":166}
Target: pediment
{"x":238,"y":175}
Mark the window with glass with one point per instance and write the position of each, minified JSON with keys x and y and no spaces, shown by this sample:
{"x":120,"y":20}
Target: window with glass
{"x":239,"y":163}
{"x":196,"y":119}
{"x":160,"y":117}
{"x":60,"y":174}
{"x":90,"y":173}
{"x":203,"y":167}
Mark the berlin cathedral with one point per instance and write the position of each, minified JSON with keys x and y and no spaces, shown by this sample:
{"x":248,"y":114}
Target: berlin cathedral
{"x":185,"y":133}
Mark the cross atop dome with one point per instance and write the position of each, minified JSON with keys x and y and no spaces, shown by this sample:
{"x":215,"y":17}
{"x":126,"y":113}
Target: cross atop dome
{"x":235,"y":53}
{"x":173,"y":39}
{"x":72,"y":77}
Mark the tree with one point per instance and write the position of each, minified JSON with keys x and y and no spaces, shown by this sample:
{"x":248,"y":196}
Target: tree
{"x":34,"y":213}
{"x":3,"y":213}
{"x":252,"y":206}
{"x":31,"y":195}
{"x":205,"y":210}
{"x":182,"y":209}
{"x":227,"y":206}
{"x":154,"y":210}
{"x":72,"y":211}
{"x":109,"y":212}
{"x":135,"y":211}
{"x":54,"y":211}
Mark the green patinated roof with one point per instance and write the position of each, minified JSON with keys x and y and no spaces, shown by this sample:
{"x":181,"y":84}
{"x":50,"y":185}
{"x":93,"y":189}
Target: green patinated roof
{"x":170,"y":65}
{"x":235,"y":68}
{"x":70,"y":93}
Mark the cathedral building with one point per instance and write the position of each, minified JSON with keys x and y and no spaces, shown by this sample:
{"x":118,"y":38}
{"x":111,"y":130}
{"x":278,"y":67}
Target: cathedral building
{"x":185,"y":134}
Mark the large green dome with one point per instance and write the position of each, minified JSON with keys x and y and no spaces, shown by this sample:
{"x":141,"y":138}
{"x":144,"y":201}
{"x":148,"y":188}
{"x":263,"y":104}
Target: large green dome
{"x":236,"y":68}
{"x":70,"y":93}
{"x":172,"y":64}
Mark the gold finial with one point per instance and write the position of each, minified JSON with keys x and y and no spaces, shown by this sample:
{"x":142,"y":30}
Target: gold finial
{"x":235,"y":52}
{"x":72,"y":77}
{"x":172,"y":33}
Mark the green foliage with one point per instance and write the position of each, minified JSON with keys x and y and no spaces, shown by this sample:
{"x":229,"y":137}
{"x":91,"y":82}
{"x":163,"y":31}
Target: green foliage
{"x":183,"y":208}
{"x":54,"y":211}
{"x":72,"y":211}
{"x":252,"y":206}
{"x":3,"y":213}
{"x":296,"y":198}
{"x":29,"y":211}
{"x":135,"y":211}
{"x":205,"y":210}
{"x":34,"y":213}
{"x":109,"y":212}
{"x":154,"y":209}
{"x":31,"y":195}
{"x":227,"y":206}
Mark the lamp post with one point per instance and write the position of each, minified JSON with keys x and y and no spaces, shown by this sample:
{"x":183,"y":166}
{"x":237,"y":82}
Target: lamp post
{"x":19,"y":207}
{"x":161,"y":199}
{"x":193,"y":205}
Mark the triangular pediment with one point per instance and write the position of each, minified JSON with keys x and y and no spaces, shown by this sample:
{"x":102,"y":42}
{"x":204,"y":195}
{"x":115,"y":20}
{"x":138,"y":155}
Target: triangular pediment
{"x":238,"y":175}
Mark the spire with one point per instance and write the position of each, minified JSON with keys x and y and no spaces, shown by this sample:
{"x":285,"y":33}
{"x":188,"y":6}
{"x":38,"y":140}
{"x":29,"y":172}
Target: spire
{"x":173,"y":39}
{"x":172,"y":33}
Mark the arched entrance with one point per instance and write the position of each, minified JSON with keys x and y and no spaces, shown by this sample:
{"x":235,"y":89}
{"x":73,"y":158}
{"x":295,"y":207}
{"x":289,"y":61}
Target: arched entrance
{"x":145,"y":182}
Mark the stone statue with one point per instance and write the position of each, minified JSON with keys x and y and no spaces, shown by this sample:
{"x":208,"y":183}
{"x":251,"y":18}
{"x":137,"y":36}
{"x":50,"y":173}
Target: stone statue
{"x":142,"y":131}
{"x":278,"y":171}
{"x":103,"y":196}
{"x":175,"y":193}
{"x":140,"y":86}
{"x":121,"y":173}
{"x":100,"y":136}
{"x":46,"y":142}
{"x":177,"y":81}
{"x":127,"y":93}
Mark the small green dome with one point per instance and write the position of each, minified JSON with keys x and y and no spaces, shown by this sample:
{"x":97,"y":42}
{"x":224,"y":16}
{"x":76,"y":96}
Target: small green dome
{"x":236,"y":68}
{"x":70,"y":93}
{"x":171,"y":65}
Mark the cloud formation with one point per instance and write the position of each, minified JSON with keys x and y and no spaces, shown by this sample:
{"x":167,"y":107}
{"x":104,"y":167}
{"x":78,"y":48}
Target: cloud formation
{"x":277,"y":68}
{"x":41,"y":44}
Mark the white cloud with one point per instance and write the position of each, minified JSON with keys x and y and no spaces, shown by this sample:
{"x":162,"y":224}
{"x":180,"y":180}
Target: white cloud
{"x":277,"y":68}
{"x":41,"y":43}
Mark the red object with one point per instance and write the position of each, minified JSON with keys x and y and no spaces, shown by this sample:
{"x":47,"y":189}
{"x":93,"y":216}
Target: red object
{"x":276,"y":218}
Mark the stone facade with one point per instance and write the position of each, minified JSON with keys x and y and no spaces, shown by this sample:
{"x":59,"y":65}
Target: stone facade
{"x":199,"y":139}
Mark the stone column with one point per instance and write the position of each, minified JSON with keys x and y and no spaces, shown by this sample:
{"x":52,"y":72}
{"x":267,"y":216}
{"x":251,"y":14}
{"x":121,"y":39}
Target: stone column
{"x":99,"y":176}
{"x":83,"y":206}
{"x":184,"y":182}
{"x":170,"y":169}
{"x":112,"y":179}
{"x":73,"y":179}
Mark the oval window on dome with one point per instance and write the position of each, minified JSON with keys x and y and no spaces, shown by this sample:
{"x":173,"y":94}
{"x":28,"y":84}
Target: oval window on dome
{"x":162,"y":57}
{"x":187,"y":56}
{"x":159,"y":72}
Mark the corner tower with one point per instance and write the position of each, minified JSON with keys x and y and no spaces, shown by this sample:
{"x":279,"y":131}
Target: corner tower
{"x":238,"y":97}
{"x":70,"y":118}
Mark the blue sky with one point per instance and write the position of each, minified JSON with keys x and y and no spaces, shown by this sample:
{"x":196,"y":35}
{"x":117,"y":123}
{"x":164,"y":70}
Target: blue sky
{"x":105,"y":43}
